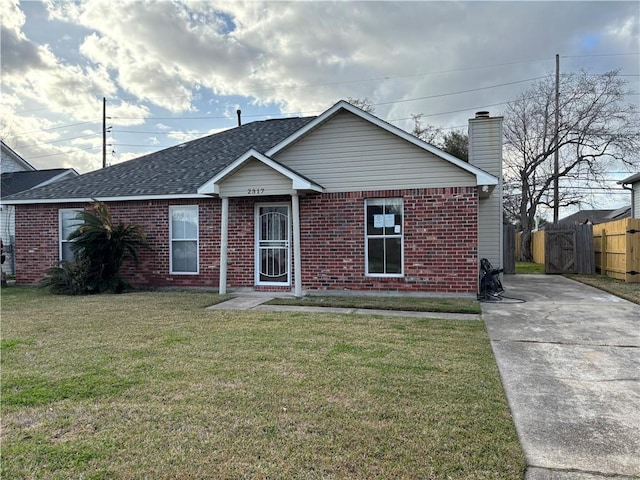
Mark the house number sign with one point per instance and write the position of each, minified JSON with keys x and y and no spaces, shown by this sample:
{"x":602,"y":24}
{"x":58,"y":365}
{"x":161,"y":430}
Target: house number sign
{"x":255,"y":191}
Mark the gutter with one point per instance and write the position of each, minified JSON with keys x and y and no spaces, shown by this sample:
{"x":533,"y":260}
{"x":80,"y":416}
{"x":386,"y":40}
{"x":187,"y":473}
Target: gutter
{"x":622,"y":182}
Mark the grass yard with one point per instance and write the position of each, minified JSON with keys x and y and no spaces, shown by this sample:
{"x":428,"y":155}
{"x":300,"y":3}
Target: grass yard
{"x":628,"y":291}
{"x":529,"y":268}
{"x":151,"y":385}
{"x":413,"y":304}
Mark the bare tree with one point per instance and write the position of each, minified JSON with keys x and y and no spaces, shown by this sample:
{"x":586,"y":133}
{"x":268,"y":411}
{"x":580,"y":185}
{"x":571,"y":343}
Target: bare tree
{"x":428,"y":133}
{"x":363,"y":104}
{"x":597,"y":130}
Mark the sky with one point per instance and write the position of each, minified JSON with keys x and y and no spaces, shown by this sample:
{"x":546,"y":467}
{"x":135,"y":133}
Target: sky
{"x":171,"y":71}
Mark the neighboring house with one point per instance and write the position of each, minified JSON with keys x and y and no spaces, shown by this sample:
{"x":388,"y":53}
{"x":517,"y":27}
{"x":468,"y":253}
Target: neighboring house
{"x":18,"y":175}
{"x":10,"y":161}
{"x":341,"y":201}
{"x":594,"y":217}
{"x":634,"y":185}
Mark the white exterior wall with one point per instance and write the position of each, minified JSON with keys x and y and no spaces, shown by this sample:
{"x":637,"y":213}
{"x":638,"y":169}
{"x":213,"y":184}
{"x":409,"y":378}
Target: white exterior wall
{"x":7,"y":231}
{"x":485,"y":152}
{"x":349,"y":154}
{"x":9,"y":162}
{"x":255,"y":178}
{"x":635,"y":199}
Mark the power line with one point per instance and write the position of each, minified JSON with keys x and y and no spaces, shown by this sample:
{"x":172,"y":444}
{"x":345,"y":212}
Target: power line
{"x":350,"y":81}
{"x":374,"y":79}
{"x":139,"y":145}
{"x":456,"y":93}
{"x":65,"y":153}
{"x":57,"y":141}
{"x":49,"y":129}
{"x":601,"y":55}
{"x":374,"y":104}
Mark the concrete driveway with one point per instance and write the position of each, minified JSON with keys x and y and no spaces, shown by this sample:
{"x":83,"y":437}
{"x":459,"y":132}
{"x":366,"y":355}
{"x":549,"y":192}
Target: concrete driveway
{"x":569,"y":359}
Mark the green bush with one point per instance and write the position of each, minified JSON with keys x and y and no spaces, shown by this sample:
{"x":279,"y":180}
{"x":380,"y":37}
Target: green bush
{"x":100,"y":248}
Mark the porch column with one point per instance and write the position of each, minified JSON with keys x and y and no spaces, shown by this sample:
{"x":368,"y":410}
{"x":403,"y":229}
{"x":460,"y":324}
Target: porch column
{"x":224,"y":235}
{"x":295,"y":205}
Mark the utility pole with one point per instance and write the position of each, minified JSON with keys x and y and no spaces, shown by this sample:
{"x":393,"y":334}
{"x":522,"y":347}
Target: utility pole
{"x":104,"y":132}
{"x":556,"y":166}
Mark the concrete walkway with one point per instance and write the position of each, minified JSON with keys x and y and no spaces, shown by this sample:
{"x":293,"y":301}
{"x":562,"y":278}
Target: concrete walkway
{"x":257,"y":302}
{"x":569,"y":359}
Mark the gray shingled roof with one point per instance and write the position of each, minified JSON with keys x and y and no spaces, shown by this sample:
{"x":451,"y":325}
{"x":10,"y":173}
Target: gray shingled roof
{"x":596,"y":216}
{"x":14,"y":182}
{"x":173,"y":171}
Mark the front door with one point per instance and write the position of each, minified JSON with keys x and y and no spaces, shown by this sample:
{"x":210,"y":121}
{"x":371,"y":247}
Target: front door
{"x":272,"y":245}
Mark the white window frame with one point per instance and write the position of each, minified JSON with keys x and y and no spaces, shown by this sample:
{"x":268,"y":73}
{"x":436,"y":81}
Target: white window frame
{"x":61,"y":240}
{"x":172,"y":240}
{"x":367,"y":236}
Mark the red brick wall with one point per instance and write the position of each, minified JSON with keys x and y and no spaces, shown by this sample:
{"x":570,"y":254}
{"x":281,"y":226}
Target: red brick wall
{"x":37,"y":241}
{"x":440,"y":241}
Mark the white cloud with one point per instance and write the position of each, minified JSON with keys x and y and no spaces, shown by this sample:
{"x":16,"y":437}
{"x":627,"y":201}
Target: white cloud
{"x":184,"y":136}
{"x":126,"y":114}
{"x":294,"y":57}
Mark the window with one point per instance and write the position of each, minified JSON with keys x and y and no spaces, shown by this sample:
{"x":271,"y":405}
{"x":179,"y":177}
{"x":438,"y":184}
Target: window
{"x":183,"y":231}
{"x":384,"y":230}
{"x":67,"y":223}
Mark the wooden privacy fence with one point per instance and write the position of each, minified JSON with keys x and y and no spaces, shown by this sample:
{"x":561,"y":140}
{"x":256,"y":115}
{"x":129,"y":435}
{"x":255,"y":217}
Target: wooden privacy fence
{"x":537,"y":245}
{"x":617,"y":249}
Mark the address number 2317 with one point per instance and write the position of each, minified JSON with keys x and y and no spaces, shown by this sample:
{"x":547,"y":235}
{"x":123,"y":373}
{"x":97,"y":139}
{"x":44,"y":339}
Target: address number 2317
{"x":255,"y":191}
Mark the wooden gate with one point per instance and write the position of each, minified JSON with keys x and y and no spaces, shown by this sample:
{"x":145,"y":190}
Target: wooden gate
{"x":569,"y":249}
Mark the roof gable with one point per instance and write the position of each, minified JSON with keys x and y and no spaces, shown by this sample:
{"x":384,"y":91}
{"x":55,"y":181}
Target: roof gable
{"x":298,"y":182}
{"x":482,"y":177}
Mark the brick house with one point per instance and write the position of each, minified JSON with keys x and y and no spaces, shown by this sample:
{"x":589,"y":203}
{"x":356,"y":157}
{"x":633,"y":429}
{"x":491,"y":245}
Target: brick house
{"x":341,"y":201}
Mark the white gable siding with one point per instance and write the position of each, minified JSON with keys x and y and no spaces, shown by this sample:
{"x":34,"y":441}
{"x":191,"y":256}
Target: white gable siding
{"x":349,"y":154}
{"x":635,"y":209}
{"x":10,"y":161}
{"x":9,"y":165}
{"x":255,"y":178}
{"x":485,"y":151}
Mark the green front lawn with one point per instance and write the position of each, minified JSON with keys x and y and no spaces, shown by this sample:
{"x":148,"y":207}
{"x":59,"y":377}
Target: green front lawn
{"x":152,"y":385}
{"x":414,"y":304}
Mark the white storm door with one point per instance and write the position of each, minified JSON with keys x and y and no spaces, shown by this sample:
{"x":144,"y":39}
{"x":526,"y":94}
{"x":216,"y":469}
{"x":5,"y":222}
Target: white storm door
{"x":273,"y":257}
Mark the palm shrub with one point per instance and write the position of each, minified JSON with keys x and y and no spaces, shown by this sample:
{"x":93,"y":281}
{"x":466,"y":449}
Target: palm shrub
{"x":100,"y":247}
{"x":69,"y":278}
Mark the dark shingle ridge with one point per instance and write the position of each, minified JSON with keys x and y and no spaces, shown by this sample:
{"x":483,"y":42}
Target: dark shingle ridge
{"x":177,"y":170}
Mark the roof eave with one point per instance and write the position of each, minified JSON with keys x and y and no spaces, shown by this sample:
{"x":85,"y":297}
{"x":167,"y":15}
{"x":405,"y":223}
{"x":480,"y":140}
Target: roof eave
{"x":129,"y":198}
{"x":630,"y":180}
